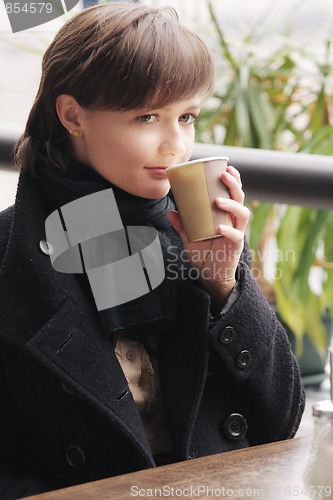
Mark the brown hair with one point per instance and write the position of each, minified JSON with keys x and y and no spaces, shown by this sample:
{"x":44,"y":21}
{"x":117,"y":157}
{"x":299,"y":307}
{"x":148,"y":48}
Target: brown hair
{"x":117,"y":57}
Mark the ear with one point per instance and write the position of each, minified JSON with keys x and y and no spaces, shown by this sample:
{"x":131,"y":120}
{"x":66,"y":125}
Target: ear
{"x":68,"y":110}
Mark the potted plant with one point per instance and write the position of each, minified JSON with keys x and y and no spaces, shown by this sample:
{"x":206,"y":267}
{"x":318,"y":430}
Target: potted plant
{"x":281,"y":99}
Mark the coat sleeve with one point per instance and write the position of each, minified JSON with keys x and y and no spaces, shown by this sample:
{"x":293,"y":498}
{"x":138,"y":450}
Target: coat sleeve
{"x":252,"y":354}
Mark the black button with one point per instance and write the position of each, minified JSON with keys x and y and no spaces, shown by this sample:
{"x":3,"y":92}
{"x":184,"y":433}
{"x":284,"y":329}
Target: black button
{"x":75,"y":456}
{"x":226,"y":335}
{"x":235,"y":426}
{"x":68,"y":389}
{"x":243,"y":359}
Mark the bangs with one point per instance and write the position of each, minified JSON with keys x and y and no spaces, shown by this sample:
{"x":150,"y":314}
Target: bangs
{"x":177,"y":69}
{"x":152,"y":62}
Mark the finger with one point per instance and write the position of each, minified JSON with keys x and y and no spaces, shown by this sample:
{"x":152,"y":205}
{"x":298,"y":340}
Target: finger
{"x":235,"y":189}
{"x":240,"y":213}
{"x":233,"y":171}
{"x":175,"y":221}
{"x":235,"y":236}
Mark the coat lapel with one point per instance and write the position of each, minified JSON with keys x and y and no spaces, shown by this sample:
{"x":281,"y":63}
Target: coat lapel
{"x":77,"y":351}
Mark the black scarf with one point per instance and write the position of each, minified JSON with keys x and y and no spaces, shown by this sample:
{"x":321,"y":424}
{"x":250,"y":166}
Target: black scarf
{"x":156,"y":310}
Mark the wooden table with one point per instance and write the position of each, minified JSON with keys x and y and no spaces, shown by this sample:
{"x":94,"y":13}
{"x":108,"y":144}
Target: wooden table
{"x":270,"y":471}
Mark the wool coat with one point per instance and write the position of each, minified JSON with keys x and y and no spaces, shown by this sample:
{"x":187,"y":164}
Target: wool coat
{"x":66,"y":413}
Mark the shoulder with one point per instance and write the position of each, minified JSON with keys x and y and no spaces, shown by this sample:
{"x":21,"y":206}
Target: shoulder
{"x":6,"y":217}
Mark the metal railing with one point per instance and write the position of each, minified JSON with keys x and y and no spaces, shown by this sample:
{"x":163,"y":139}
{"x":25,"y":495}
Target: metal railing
{"x":292,"y":178}
{"x":274,"y":176}
{"x":8,"y":137}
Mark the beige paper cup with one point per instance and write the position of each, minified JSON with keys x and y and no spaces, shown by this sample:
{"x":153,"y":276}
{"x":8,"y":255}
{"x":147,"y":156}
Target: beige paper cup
{"x":195,"y":185}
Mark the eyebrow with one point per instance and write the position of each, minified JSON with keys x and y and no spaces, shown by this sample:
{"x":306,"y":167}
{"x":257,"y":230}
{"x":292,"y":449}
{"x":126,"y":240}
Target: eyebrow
{"x":194,"y":105}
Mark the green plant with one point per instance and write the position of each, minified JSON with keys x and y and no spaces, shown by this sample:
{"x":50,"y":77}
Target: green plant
{"x":281,"y":99}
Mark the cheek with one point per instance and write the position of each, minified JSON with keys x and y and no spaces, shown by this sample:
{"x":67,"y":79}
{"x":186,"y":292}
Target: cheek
{"x":94,"y":137}
{"x":100,"y":145}
{"x":137,"y":147}
{"x":189,"y":145}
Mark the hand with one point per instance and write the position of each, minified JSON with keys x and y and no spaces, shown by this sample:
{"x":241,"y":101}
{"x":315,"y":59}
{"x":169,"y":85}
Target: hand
{"x":216,"y":259}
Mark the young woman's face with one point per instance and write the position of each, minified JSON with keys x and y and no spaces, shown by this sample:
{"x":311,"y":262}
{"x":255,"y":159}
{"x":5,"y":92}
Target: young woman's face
{"x":132,"y":149}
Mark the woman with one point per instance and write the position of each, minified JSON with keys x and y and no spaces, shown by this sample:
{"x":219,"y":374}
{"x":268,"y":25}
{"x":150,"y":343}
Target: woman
{"x":195,"y":366}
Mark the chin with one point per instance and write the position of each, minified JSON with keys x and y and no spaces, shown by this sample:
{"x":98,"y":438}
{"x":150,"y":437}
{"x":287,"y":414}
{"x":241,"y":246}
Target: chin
{"x":158,"y":192}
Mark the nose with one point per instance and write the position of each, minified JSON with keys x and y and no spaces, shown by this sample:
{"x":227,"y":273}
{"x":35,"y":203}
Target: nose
{"x":173,"y":141}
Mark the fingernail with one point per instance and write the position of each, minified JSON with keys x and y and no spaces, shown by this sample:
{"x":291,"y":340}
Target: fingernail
{"x":223,"y":229}
{"x":222,"y":201}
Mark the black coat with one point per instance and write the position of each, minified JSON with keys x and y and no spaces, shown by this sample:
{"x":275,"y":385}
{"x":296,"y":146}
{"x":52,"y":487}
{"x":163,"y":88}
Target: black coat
{"x":66,"y":413}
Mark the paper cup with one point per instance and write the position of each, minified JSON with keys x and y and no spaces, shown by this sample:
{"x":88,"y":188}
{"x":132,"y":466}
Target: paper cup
{"x":195,"y":186}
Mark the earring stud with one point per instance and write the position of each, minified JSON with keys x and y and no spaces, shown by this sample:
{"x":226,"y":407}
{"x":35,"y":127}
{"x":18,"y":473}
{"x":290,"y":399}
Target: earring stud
{"x":75,"y":133}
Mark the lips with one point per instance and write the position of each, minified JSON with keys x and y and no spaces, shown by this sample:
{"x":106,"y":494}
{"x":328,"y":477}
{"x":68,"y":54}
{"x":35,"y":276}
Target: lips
{"x":158,"y":167}
{"x":158,"y":171}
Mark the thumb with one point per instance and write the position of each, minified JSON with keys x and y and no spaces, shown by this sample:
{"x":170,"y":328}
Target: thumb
{"x":175,"y":221}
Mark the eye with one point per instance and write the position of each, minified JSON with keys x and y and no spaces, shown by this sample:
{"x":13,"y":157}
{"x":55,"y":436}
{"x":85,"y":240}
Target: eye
{"x":188,"y":118}
{"x":148,"y":118}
